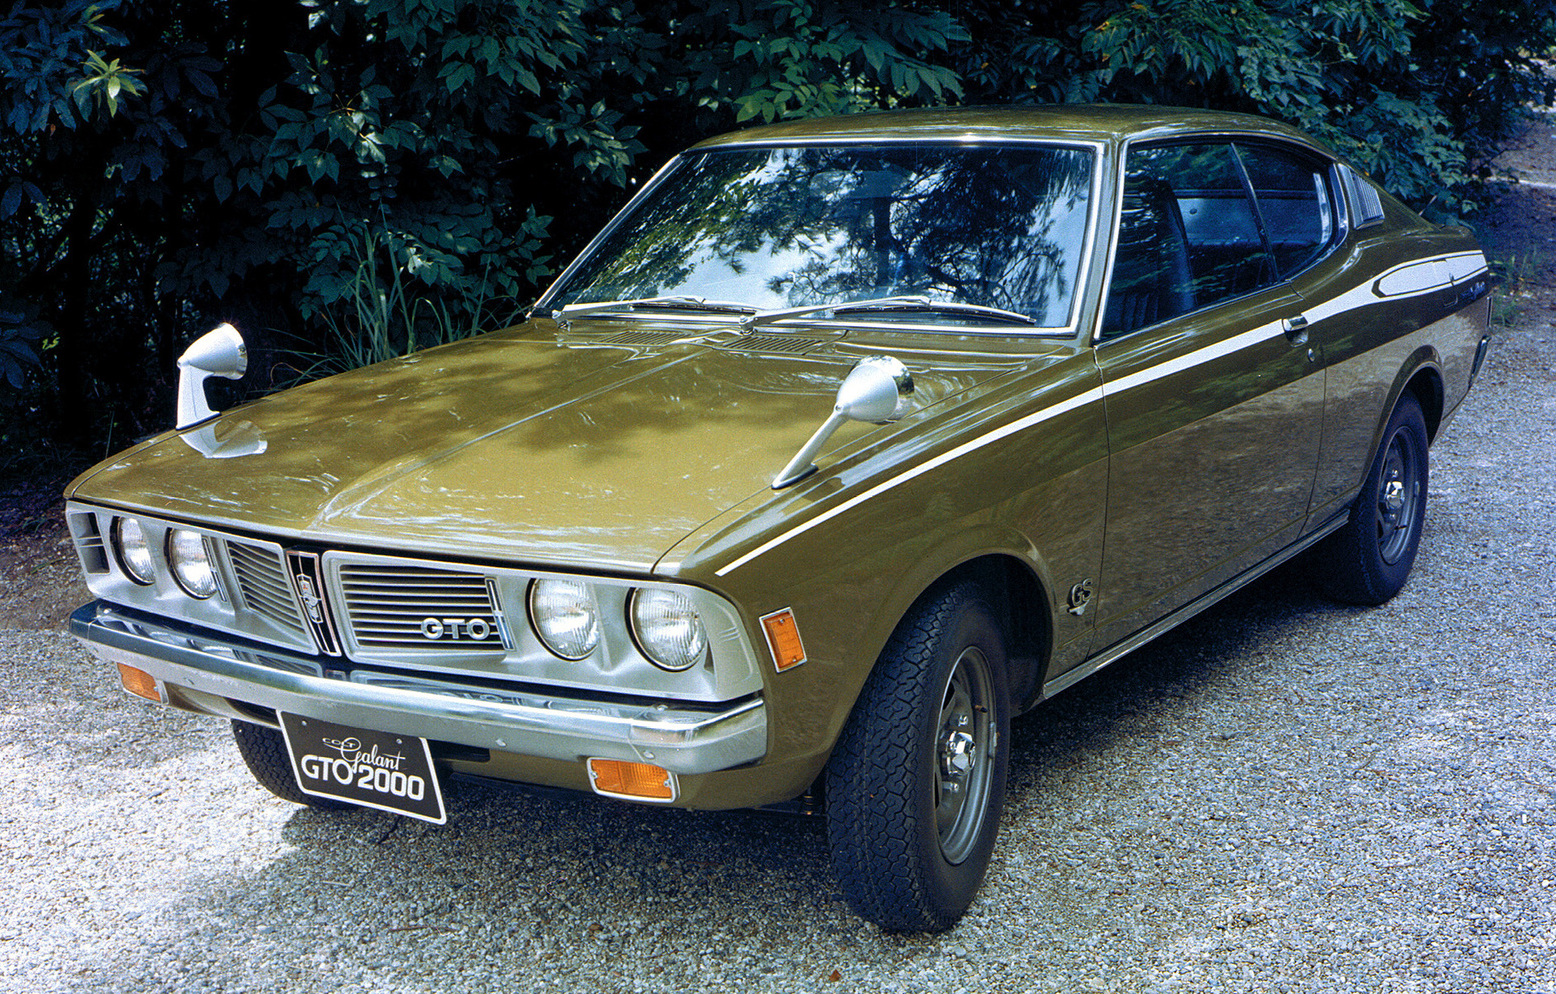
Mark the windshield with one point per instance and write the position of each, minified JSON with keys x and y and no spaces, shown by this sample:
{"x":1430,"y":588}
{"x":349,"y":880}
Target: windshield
{"x":774,"y":228}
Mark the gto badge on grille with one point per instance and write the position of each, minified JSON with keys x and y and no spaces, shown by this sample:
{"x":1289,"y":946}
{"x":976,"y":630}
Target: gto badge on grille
{"x":455,"y":628}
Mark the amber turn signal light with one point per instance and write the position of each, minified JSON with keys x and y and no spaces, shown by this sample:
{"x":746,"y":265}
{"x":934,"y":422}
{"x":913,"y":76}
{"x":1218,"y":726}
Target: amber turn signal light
{"x":635,"y":781}
{"x":139,"y":682}
{"x":783,"y":638}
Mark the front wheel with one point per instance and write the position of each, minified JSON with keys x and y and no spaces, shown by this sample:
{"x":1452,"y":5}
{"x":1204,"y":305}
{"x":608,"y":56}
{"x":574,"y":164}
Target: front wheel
{"x":917,"y":780}
{"x":264,"y":752}
{"x":1368,"y":560}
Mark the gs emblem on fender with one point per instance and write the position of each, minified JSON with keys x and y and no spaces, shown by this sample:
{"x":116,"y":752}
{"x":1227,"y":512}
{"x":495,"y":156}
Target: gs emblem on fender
{"x":1080,"y":598}
{"x":473,"y":629}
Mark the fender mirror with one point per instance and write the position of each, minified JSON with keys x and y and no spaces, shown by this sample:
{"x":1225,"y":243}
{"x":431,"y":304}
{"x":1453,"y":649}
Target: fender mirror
{"x":875,"y":390}
{"x":219,"y":352}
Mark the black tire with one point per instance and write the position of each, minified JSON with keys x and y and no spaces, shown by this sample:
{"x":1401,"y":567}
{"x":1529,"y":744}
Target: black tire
{"x":934,"y":714}
{"x":1368,"y":560}
{"x":264,"y":752}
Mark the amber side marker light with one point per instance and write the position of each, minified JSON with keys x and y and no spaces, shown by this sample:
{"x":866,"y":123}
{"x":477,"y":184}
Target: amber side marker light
{"x":783,"y":638}
{"x":634,"y":781}
{"x":139,"y":682}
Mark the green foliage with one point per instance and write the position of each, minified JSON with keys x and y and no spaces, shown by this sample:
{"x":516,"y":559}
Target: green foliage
{"x":297,"y":166}
{"x":19,"y":338}
{"x":1411,"y":94}
{"x":375,"y":314}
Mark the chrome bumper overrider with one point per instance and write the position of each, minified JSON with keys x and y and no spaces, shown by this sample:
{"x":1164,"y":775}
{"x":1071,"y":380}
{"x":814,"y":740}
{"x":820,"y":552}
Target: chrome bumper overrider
{"x":544,"y":724}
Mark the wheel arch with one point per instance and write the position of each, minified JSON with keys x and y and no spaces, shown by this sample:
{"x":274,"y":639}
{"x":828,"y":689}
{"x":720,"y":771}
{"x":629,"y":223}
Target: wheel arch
{"x":1022,"y":606}
{"x":1426,"y":382}
{"x":1422,"y":376}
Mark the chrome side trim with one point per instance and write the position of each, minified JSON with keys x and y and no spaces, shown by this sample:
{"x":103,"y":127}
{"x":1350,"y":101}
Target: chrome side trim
{"x":1465,"y":266}
{"x":1205,"y":601}
{"x":685,"y":740}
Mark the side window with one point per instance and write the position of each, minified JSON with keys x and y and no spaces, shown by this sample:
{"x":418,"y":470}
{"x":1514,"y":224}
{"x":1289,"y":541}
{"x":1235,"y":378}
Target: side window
{"x":1189,"y":236}
{"x":1294,"y":204}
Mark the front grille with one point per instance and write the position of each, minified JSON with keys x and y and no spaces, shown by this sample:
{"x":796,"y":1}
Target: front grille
{"x":265,"y":587}
{"x":393,"y":606}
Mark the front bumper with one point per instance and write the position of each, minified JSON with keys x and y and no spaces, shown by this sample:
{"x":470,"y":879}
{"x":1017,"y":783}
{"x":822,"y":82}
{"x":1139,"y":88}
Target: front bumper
{"x":216,"y":675}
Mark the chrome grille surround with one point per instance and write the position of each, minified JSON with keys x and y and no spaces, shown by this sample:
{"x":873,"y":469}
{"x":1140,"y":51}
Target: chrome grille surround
{"x":390,"y":606}
{"x":374,"y":600}
{"x":255,"y":597}
{"x":399,"y":612}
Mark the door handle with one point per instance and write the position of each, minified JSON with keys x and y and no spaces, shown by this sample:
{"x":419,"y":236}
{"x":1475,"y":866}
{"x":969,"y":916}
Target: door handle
{"x":1295,"y":329}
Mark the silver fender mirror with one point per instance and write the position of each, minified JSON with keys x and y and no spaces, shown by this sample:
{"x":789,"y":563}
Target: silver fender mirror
{"x":876,"y":390}
{"x":218,"y":352}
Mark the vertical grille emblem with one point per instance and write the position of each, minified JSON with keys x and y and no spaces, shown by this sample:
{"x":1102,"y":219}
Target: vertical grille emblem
{"x":312,"y":603}
{"x":308,"y":578}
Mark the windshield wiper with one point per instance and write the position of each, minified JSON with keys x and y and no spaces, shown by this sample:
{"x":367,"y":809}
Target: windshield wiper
{"x":899,"y":303}
{"x":678,"y":303}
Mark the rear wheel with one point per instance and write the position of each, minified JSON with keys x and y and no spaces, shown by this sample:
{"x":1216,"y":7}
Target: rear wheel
{"x":1368,"y":560}
{"x":917,"y":780}
{"x":264,"y":752}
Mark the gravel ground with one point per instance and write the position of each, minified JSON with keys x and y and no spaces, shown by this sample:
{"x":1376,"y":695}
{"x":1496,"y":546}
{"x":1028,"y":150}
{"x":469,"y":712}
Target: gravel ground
{"x":1282,"y":795}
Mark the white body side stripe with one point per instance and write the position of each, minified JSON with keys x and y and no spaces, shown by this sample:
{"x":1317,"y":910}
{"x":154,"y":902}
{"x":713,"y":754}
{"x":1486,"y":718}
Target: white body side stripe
{"x":1410,"y":279}
{"x":1021,"y":424}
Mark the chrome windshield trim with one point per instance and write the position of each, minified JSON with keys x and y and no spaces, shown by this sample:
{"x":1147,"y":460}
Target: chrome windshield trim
{"x":200,"y":672}
{"x":1097,"y":148}
{"x":672,"y":302}
{"x":543,"y":305}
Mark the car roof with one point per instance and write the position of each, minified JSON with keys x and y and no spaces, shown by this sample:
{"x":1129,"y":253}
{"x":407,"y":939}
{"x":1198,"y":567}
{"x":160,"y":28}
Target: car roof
{"x":1074,"y":122}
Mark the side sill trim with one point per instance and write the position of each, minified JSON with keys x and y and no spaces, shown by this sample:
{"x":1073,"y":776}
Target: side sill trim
{"x":1204,"y":602}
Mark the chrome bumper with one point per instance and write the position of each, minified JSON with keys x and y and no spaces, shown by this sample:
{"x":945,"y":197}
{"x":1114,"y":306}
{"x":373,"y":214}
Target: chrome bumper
{"x":550,"y":726}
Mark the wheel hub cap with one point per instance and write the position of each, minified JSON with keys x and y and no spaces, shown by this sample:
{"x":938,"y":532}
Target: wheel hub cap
{"x":1393,"y":498}
{"x":958,"y":753}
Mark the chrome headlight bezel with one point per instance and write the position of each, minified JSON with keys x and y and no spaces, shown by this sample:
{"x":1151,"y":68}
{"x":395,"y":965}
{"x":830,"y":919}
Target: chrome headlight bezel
{"x":543,"y":615}
{"x":181,"y":557}
{"x":675,"y":610}
{"x":129,"y":543}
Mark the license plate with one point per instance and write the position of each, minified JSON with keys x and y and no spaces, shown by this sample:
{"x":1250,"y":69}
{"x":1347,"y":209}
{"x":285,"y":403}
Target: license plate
{"x":374,"y":769}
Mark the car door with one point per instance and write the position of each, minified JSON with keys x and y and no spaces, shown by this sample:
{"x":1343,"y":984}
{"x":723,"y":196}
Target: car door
{"x":1213,"y":397}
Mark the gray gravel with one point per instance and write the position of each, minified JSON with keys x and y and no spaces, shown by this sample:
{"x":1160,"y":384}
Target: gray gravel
{"x":1283,"y":795}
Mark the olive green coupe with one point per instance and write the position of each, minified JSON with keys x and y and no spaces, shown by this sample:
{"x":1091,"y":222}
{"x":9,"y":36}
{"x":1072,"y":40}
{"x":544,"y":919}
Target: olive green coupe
{"x":843,"y":443}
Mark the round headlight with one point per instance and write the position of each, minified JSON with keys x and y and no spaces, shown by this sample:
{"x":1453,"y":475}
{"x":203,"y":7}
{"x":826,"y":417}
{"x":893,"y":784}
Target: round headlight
{"x":133,"y":551}
{"x":191,"y":566}
{"x":668,"y":629}
{"x":565,"y":616}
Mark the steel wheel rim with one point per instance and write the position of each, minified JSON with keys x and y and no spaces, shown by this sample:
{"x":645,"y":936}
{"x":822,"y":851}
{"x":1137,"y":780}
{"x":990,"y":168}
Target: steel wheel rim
{"x":1399,"y":493}
{"x":964,"y":755}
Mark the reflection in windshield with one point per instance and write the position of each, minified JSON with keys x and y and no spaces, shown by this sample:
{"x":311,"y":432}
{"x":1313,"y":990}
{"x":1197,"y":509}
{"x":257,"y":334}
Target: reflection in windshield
{"x":791,"y":227}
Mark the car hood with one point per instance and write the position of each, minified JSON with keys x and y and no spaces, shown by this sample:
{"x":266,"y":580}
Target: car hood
{"x":525,"y":445}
